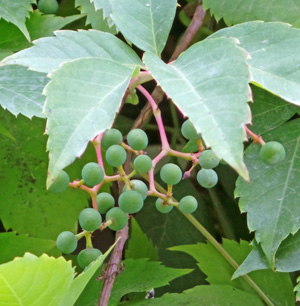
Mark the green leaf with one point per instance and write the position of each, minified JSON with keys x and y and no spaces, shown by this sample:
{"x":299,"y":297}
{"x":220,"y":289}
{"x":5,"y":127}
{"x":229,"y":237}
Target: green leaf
{"x":95,"y":17}
{"x":211,"y":78}
{"x":274,"y":50}
{"x":238,"y":11}
{"x":269,"y":111}
{"x":89,"y":93}
{"x":213,"y":295}
{"x":21,"y":90}
{"x":16,"y":12}
{"x":146,"y":23}
{"x":138,"y":239}
{"x":35,"y":281}
{"x":26,"y":206}
{"x":141,"y":275}
{"x":48,"y":53}
{"x":5,"y":132}
{"x":106,"y":7}
{"x":271,"y":198}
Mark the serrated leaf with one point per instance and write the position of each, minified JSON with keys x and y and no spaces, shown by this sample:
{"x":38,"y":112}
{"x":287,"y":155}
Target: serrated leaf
{"x":83,"y":98}
{"x":274,"y":49}
{"x":48,"y":53}
{"x":35,"y":281}
{"x":141,"y":275}
{"x":212,"y":295}
{"x":105,"y":6}
{"x":25,"y":205}
{"x":269,"y":111}
{"x":238,"y":11}
{"x":16,"y":12}
{"x":271,"y":198}
{"x":21,"y":90}
{"x":209,"y":80}
{"x":150,"y":21}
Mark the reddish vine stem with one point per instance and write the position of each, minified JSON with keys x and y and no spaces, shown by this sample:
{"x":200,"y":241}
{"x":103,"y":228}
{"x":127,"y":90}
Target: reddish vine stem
{"x":256,"y":138}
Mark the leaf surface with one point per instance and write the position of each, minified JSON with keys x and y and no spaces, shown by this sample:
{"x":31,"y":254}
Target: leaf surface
{"x":206,"y":82}
{"x":146,"y":23}
{"x":271,"y":198}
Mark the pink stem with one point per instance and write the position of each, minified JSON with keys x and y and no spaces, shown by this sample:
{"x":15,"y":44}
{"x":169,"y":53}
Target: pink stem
{"x":97,"y":145}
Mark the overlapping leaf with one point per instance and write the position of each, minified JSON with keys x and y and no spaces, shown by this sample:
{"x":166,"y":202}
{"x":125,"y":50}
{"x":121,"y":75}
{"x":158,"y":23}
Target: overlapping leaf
{"x":146,"y":23}
{"x":274,"y":49}
{"x":83,"y":98}
{"x":209,"y":84}
{"x":48,"y":53}
{"x":272,"y":197}
{"x":238,"y":11}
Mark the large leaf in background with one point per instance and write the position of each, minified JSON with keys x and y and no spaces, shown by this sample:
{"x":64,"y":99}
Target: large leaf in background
{"x":83,"y":98}
{"x":95,"y":16}
{"x":277,"y":286}
{"x":16,"y":12}
{"x":213,"y":295}
{"x":269,"y":111}
{"x":271,"y":199}
{"x":238,"y":11}
{"x":274,"y":49}
{"x":146,"y":23}
{"x":48,"y":53}
{"x":21,"y":90}
{"x":13,"y":245}
{"x":141,"y":275}
{"x":206,"y":82}
{"x":35,"y":281}
{"x":25,"y":204}
{"x":106,"y":7}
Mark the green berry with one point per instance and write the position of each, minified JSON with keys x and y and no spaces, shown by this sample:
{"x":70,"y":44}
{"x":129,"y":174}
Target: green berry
{"x":208,"y":159}
{"x":131,"y":201}
{"x":137,"y":139}
{"x":90,"y":219}
{"x":61,"y":183}
{"x":111,"y":137}
{"x":272,"y":153}
{"x":207,"y":178}
{"x":161,"y":207}
{"x":118,"y":217}
{"x":116,"y":155}
{"x":188,"y":131}
{"x":188,"y":204}
{"x":87,"y":256}
{"x":48,"y":6}
{"x":105,"y":201}
{"x":92,"y":174}
{"x":66,"y":242}
{"x":142,"y":163}
{"x":140,"y":187}
{"x":171,"y":174}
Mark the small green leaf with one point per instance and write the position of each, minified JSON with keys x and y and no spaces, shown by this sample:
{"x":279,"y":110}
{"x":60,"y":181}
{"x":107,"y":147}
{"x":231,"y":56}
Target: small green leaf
{"x":150,"y":21}
{"x":211,"y":78}
{"x":35,"y":281}
{"x":106,"y":7}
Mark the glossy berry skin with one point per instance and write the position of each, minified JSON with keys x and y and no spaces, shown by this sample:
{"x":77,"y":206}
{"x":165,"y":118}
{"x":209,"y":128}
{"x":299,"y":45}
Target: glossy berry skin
{"x":111,"y":137}
{"x":66,"y":242}
{"x":142,"y":163}
{"x":48,"y":6}
{"x":119,"y":218}
{"x":207,"y":178}
{"x":90,"y":219}
{"x":131,"y":201}
{"x":164,"y":209}
{"x":171,"y":174}
{"x":92,"y":174}
{"x":61,"y":183}
{"x":105,"y":201}
{"x":137,"y":139}
{"x":116,"y":155}
{"x":208,"y":159}
{"x":188,"y":204}
{"x":138,"y":186}
{"x":188,"y":131}
{"x":87,"y":256}
{"x":272,"y":153}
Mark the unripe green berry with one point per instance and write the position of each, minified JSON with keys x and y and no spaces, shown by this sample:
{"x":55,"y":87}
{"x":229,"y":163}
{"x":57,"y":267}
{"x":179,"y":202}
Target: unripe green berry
{"x":142,"y":163}
{"x":111,"y":137}
{"x":131,"y":201}
{"x":171,"y":174}
{"x":207,"y":178}
{"x":48,"y":6}
{"x":138,"y":186}
{"x":90,"y":219}
{"x":118,"y":217}
{"x":92,"y":174}
{"x":66,"y":242}
{"x":116,"y":155}
{"x":105,"y":201}
{"x":61,"y":183}
{"x":208,"y":159}
{"x":188,"y":204}
{"x":188,"y":131}
{"x":137,"y":139}
{"x":87,"y":256}
{"x":161,"y":207}
{"x":272,"y":153}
